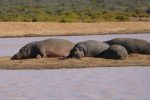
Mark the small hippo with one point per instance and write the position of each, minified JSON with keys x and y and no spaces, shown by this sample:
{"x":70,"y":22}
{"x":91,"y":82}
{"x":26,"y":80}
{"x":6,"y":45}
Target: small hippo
{"x":137,"y":46}
{"x":90,"y":48}
{"x":45,"y":48}
{"x":115,"y":52}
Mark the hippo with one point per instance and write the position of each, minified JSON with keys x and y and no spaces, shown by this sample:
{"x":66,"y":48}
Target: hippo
{"x":45,"y":48}
{"x":115,"y":52}
{"x":89,"y":48}
{"x":136,"y":46}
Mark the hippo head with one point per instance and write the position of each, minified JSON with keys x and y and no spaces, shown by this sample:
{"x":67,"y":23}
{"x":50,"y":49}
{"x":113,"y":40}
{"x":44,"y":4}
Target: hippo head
{"x":23,"y":53}
{"x":118,"y":51}
{"x":78,"y":51}
{"x":115,"y":52}
{"x":17,"y":56}
{"x":109,"y":54}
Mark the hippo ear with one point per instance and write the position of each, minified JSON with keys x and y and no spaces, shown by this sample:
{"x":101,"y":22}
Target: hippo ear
{"x":27,"y":51}
{"x":85,"y":49}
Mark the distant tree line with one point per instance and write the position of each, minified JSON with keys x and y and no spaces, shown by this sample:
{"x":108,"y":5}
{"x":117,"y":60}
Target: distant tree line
{"x":73,"y":10}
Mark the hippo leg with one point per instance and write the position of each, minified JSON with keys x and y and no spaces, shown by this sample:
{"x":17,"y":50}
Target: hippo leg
{"x":43,"y":53}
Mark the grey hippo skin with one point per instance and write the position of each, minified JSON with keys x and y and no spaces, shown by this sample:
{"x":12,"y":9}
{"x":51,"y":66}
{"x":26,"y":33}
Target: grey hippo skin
{"x":45,"y":48}
{"x":90,"y":48}
{"x":115,"y":52}
{"x":137,"y":46}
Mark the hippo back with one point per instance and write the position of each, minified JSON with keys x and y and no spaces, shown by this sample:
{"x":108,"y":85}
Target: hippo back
{"x":132,"y":45}
{"x":57,"y":47}
{"x":93,"y":48}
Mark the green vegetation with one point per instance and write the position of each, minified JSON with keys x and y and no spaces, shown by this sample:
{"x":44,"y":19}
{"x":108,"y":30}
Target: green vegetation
{"x":73,"y":10}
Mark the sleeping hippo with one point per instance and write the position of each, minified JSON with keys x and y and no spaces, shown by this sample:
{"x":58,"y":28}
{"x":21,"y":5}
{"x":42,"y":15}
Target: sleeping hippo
{"x":137,"y":46}
{"x":45,"y":48}
{"x":115,"y":52}
{"x":90,"y":48}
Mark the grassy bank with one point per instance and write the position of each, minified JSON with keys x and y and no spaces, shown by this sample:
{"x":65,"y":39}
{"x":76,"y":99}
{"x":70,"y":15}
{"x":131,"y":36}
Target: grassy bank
{"x":57,"y":63}
{"x":22,"y":29}
{"x":74,"y":10}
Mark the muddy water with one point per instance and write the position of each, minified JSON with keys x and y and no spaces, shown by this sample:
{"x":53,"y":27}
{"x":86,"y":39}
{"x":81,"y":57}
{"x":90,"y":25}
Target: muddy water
{"x":127,"y":83}
{"x":9,"y":46}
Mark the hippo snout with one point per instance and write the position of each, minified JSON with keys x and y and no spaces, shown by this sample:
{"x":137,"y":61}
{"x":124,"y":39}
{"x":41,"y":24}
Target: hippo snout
{"x":78,"y":54}
{"x":74,"y":54}
{"x":16,"y":57}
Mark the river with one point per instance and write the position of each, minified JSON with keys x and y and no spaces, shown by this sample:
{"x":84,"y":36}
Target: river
{"x":126,"y":83}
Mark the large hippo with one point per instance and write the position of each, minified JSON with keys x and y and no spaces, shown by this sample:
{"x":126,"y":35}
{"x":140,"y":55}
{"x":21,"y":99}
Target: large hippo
{"x":137,"y":46}
{"x":45,"y":48}
{"x":90,"y":48}
{"x":115,"y":52}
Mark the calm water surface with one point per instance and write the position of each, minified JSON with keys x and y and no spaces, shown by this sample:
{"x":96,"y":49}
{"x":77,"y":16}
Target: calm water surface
{"x":9,"y":46}
{"x":127,"y":83}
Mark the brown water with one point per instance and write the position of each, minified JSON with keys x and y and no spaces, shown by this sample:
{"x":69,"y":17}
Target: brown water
{"x":126,"y":83}
{"x":9,"y":46}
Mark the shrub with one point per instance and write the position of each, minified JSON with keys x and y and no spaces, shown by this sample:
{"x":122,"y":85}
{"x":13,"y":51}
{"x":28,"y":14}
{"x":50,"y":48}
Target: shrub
{"x":122,"y":18}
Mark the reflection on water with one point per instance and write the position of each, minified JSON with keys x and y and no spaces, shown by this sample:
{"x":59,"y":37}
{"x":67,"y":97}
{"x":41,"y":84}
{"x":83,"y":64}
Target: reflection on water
{"x":9,"y":46}
{"x":127,"y":83}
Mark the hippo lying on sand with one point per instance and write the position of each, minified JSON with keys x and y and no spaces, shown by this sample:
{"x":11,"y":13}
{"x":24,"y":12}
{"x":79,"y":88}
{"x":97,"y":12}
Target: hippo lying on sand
{"x":45,"y":48}
{"x":115,"y":52}
{"x":137,"y":46}
{"x":90,"y":48}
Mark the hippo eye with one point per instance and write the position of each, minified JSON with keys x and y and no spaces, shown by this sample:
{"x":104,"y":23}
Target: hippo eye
{"x":20,"y":50}
{"x":75,"y":49}
{"x":80,"y":48}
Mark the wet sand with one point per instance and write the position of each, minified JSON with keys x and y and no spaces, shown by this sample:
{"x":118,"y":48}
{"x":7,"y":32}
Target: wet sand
{"x":58,"y":63}
{"x":16,"y":29}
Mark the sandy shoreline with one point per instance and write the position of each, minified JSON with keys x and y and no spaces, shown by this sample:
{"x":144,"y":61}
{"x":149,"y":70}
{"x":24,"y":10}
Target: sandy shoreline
{"x":23,"y":29}
{"x":57,"y":63}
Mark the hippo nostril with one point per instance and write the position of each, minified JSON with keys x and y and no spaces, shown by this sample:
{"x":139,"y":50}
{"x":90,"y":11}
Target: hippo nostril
{"x":12,"y":58}
{"x":16,"y":57}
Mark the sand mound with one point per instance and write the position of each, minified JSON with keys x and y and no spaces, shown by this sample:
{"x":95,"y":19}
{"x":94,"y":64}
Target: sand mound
{"x":56,"y":63}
